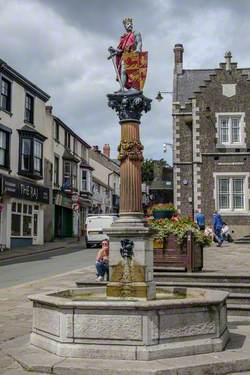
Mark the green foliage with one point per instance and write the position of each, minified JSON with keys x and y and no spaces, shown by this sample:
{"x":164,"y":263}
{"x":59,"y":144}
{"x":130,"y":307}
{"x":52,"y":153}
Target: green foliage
{"x":147,"y":171}
{"x":179,"y":228}
{"x":164,"y":207}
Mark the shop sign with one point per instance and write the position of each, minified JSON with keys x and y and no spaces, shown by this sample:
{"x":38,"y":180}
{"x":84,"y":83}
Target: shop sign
{"x":24,"y":190}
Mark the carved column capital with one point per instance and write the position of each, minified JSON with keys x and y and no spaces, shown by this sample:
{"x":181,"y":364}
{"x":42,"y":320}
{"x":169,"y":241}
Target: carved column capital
{"x":129,"y":105}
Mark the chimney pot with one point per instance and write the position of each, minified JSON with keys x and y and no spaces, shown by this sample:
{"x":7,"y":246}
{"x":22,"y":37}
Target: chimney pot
{"x":49,"y":109}
{"x":178,"y":58}
{"x":106,"y":150}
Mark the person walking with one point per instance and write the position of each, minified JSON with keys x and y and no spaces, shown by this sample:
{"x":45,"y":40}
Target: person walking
{"x":200,"y":219}
{"x":218,"y":224}
{"x":102,"y":261}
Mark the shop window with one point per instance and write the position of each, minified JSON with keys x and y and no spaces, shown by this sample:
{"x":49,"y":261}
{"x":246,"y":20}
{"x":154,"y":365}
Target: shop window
{"x":29,"y":109}
{"x":4,"y":149}
{"x":70,"y":175}
{"x":24,"y":220}
{"x":5,"y":95}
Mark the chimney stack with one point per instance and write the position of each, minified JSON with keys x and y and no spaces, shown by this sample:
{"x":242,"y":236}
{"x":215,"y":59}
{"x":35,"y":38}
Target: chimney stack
{"x":228,"y":57}
{"x":106,"y":150}
{"x":95,"y":148}
{"x":178,"y":58}
{"x":49,"y":109}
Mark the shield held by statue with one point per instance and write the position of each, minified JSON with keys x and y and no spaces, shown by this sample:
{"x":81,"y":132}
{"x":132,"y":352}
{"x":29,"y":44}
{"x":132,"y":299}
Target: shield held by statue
{"x":136,"y":64}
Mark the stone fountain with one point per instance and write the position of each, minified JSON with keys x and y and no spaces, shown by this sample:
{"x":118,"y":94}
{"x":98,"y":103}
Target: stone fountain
{"x":130,"y":318}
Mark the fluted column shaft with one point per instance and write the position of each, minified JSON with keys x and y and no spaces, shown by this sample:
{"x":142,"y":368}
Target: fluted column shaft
{"x":130,"y":172}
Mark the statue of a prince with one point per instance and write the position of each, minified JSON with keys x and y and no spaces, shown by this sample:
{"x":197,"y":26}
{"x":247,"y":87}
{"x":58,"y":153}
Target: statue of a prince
{"x":129,"y":61}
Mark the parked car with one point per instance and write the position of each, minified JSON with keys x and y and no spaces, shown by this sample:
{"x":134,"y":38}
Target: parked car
{"x":94,"y":228}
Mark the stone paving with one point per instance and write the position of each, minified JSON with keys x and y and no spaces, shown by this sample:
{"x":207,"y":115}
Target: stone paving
{"x":16,"y":309}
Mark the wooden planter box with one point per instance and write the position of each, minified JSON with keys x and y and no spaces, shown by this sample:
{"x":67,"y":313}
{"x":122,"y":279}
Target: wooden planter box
{"x":187,"y":256}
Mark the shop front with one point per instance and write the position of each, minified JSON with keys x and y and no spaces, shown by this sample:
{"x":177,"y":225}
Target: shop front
{"x":63,"y":215}
{"x":22,"y":212}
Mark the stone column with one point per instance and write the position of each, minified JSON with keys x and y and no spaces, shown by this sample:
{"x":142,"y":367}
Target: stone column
{"x":131,"y":250}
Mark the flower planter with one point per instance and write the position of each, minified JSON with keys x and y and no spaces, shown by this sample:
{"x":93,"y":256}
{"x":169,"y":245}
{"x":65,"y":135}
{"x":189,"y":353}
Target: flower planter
{"x":187,"y":256}
{"x":163,"y":214}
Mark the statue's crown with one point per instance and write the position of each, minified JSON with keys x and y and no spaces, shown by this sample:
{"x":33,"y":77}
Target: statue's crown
{"x":127,"y":19}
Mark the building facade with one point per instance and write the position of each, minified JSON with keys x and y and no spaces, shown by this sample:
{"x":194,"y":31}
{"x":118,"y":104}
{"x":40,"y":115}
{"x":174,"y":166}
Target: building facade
{"x":106,"y":181}
{"x":211,"y":126}
{"x":25,"y":195}
{"x":71,"y":180}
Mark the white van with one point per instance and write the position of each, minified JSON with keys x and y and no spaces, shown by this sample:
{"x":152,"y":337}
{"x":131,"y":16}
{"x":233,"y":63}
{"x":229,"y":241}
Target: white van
{"x":94,"y":228}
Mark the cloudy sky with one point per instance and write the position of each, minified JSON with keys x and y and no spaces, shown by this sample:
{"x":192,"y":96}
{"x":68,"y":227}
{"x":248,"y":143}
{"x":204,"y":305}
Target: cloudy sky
{"x":61,"y":45}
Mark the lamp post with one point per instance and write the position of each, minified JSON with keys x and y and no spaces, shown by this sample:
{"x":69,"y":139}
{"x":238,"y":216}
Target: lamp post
{"x":159,"y":96}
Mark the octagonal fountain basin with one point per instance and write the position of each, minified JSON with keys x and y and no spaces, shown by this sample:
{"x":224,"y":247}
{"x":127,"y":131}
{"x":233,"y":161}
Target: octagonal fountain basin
{"x":83,"y":322}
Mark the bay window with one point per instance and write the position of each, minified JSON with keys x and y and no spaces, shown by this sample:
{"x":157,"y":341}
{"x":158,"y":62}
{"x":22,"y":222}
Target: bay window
{"x":31,"y":154}
{"x":70,"y":174}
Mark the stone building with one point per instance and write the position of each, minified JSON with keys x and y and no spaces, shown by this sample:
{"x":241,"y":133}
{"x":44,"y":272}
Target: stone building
{"x":106,"y":181}
{"x":24,"y":156}
{"x":211,"y":126}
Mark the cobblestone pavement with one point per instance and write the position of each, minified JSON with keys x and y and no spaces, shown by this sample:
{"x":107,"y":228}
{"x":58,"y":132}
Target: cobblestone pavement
{"x":16,"y":309}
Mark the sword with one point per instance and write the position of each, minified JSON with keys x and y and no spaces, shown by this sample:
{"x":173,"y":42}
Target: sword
{"x":112,"y":55}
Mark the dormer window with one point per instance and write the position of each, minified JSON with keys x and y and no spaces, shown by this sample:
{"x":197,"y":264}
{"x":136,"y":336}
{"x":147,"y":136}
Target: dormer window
{"x":29,"y":109}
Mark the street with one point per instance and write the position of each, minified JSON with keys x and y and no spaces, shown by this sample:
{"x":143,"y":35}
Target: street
{"x":38,"y":266}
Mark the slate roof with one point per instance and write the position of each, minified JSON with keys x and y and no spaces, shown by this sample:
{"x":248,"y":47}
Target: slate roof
{"x":188,"y":82}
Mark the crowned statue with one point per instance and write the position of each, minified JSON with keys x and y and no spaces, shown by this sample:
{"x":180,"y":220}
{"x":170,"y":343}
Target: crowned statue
{"x":129,"y":61}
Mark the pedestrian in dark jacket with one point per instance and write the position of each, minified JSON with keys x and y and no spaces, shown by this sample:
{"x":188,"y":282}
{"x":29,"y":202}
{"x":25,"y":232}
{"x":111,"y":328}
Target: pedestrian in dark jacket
{"x":200,"y":219}
{"x":218,"y":224}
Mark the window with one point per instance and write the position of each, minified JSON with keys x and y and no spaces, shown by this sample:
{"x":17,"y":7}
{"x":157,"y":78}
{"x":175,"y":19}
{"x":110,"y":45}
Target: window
{"x":84,"y":180}
{"x":75,"y":148}
{"x":5,"y":95}
{"x":22,"y":219}
{"x":26,"y":154}
{"x":67,"y":139}
{"x":4,"y":149}
{"x":29,"y":109}
{"x":70,"y":175}
{"x":232,"y":193}
{"x":38,"y":156}
{"x":83,"y":152}
{"x":57,"y":137}
{"x":56,"y":171}
{"x":230,"y":129}
{"x":31,"y":157}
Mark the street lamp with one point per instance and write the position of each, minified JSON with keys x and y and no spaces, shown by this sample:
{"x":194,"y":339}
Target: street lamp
{"x":159,"y":96}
